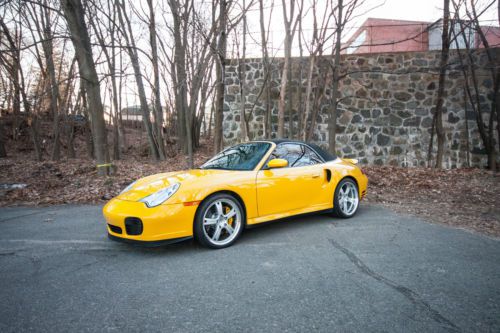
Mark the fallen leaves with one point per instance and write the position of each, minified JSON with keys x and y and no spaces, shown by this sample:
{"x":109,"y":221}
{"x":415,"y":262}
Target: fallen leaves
{"x":76,"y":180}
{"x":466,"y":198}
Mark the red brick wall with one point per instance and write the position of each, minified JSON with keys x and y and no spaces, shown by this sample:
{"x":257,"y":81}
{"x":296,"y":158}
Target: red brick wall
{"x":394,"y":36}
{"x":384,"y":35}
{"x":492,"y":35}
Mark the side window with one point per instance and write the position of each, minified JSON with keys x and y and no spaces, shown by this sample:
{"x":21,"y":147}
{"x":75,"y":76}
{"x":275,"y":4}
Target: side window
{"x":296,"y":155}
{"x":309,"y":157}
{"x":287,"y":152}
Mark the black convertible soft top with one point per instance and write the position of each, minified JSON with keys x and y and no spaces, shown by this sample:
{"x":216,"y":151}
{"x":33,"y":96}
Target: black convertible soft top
{"x":327,"y":156}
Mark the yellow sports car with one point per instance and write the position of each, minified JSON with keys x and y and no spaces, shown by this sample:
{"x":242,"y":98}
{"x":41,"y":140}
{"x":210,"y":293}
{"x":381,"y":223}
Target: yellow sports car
{"x":244,"y":185}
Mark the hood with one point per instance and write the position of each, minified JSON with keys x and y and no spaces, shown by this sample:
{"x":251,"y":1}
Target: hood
{"x":149,"y":185}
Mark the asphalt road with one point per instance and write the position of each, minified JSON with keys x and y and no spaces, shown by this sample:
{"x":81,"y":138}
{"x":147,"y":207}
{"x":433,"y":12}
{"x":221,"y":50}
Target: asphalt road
{"x":377,"y":272}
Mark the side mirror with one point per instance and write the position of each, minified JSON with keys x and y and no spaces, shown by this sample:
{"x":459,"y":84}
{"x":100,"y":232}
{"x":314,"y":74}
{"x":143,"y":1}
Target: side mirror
{"x":277,"y":163}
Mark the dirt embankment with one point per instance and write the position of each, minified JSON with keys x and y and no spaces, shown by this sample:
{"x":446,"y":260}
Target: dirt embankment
{"x":468,"y":198}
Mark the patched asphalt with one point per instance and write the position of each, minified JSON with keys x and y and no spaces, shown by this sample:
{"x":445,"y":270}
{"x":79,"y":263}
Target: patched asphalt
{"x":376,"y":272}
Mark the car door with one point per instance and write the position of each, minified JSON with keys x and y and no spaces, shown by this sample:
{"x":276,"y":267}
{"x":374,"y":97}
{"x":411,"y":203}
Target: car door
{"x":292,"y":188}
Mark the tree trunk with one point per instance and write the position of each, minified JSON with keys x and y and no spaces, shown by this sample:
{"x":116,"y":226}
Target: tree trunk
{"x":209,"y":134}
{"x":438,"y":114}
{"x":116,"y":107}
{"x":16,"y":103}
{"x":75,"y":17}
{"x":54,"y":85}
{"x":35,"y":135}
{"x":220,"y":70}
{"x":495,"y":75}
{"x":180,"y":40}
{"x":312,"y":61}
{"x":243,"y":75}
{"x":158,"y":110}
{"x":283,"y":91}
{"x":71,"y":124}
{"x":467,"y":65}
{"x":467,"y":139}
{"x":285,"y":105}
{"x":111,"y":61}
{"x":289,"y":97}
{"x":134,"y":59}
{"x":315,"y":108}
{"x":16,"y":73}
{"x":301,"y":126}
{"x":3,"y":152}
{"x":116,"y":137}
{"x":266,"y":73}
{"x":332,"y":120}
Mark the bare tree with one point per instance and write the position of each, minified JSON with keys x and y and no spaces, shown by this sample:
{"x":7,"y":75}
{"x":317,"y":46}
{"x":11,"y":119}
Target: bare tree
{"x":342,"y":13}
{"x":109,"y":25}
{"x":245,"y":131}
{"x":180,"y":13}
{"x":290,"y":20}
{"x":75,"y":18}
{"x":266,"y":67}
{"x":158,"y":110}
{"x":133,"y":53}
{"x":467,"y":59}
{"x":11,"y":61}
{"x":495,"y":76}
{"x":438,"y":113}
{"x":3,"y":151}
{"x":42,"y":18}
{"x":220,"y":72}
{"x":319,"y":38}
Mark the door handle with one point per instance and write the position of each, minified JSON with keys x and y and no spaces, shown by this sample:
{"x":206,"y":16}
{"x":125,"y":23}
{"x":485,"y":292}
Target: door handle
{"x":315,"y":176}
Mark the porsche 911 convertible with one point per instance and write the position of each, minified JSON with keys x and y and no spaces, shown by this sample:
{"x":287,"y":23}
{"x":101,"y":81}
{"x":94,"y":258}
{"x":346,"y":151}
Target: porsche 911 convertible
{"x":242,"y":186}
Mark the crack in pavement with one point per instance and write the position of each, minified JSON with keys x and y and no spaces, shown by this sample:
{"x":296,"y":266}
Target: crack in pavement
{"x":25,"y":215}
{"x":406,"y":292}
{"x":56,"y":241}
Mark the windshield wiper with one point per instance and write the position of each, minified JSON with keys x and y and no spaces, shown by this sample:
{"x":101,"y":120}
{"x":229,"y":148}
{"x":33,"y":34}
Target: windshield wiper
{"x":215,"y":168}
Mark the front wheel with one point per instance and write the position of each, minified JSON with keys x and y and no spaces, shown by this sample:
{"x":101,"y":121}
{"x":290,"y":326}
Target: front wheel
{"x":219,"y":221}
{"x":346,"y":200}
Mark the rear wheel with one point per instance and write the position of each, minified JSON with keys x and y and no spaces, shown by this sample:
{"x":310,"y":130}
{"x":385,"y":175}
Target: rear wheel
{"x":219,"y":221}
{"x":346,"y":200}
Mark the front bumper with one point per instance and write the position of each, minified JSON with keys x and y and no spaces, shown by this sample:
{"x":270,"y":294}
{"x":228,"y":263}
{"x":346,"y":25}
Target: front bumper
{"x":164,"y":222}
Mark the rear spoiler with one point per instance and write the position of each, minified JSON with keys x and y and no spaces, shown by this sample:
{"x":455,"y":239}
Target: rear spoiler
{"x":350,"y":160}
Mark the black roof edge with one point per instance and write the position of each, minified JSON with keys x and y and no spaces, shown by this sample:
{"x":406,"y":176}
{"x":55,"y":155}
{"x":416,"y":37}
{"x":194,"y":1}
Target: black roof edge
{"x":326,"y":155}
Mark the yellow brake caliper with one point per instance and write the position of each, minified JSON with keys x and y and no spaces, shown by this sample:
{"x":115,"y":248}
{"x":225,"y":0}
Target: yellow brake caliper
{"x":230,"y":221}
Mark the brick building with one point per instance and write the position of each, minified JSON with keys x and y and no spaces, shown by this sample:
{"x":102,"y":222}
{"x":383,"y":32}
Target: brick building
{"x":385,"y":35}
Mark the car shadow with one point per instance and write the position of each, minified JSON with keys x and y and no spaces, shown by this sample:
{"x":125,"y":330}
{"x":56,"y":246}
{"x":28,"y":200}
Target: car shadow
{"x":292,"y":225}
{"x":258,"y":233}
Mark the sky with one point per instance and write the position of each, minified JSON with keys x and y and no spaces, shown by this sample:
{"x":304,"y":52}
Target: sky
{"x":411,"y":10}
{"x":418,"y":10}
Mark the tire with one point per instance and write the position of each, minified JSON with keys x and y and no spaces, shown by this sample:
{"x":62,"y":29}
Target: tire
{"x":219,"y":221}
{"x":346,"y":199}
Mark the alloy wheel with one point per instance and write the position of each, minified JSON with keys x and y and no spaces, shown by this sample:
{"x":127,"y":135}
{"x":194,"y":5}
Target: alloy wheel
{"x":348,"y":198}
{"x":222,"y":221}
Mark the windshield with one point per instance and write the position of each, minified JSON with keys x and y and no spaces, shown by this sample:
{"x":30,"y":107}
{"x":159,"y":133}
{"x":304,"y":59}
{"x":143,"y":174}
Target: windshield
{"x":241,"y":157}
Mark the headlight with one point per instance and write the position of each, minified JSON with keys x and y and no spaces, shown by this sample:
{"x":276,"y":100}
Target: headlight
{"x":126,"y":189}
{"x":160,"y":196}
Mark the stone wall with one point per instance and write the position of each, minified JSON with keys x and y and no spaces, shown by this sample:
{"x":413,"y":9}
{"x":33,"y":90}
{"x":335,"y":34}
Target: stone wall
{"x":386,"y":106}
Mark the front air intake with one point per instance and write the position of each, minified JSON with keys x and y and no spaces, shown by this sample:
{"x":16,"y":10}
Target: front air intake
{"x":115,"y":229}
{"x":133,"y":226}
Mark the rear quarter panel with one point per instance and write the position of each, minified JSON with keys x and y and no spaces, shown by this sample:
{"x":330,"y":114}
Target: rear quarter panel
{"x":341,"y":169}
